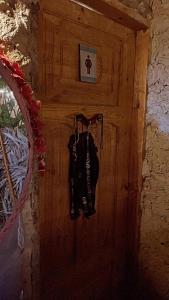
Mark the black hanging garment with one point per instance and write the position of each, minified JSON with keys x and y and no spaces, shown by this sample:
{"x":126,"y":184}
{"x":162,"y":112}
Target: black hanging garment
{"x":83,"y":174}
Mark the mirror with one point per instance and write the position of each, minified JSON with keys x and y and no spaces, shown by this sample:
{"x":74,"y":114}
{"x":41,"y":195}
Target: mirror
{"x":16,"y":142}
{"x":21,"y":138}
{"x":14,"y":152}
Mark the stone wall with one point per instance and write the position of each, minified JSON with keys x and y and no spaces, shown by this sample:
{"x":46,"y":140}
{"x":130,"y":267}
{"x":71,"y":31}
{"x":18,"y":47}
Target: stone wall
{"x":154,"y":241}
{"x":18,"y":38}
{"x":154,"y":251}
{"x":142,"y":6}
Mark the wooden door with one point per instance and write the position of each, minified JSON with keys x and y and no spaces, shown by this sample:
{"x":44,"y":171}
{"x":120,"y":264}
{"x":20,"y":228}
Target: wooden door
{"x":84,"y":259}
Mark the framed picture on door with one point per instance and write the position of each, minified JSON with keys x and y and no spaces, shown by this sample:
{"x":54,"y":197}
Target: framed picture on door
{"x":87,"y":64}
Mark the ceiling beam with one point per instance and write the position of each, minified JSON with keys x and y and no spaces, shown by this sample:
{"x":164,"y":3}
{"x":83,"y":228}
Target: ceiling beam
{"x":118,"y":12}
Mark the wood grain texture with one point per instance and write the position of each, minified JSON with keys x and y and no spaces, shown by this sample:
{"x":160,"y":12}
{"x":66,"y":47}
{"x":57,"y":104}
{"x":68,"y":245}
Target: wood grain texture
{"x":59,"y":75}
{"x":76,"y":249}
{"x":119,"y":13}
{"x":84,"y":259}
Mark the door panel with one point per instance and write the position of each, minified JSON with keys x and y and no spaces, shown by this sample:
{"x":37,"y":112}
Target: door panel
{"x":84,"y":259}
{"x":63,"y":30}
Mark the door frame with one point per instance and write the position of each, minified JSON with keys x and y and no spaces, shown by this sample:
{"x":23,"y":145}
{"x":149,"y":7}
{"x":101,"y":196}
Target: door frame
{"x":128,"y":17}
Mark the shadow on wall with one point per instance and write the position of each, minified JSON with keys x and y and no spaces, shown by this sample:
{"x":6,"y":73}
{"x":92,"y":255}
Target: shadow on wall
{"x":143,"y":290}
{"x":10,"y":267}
{"x":152,"y":280}
{"x":154,"y":242}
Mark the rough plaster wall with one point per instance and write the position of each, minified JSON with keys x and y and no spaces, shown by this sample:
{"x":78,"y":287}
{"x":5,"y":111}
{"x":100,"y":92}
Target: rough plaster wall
{"x":154,"y":252}
{"x":17,"y":37}
{"x":154,"y":242}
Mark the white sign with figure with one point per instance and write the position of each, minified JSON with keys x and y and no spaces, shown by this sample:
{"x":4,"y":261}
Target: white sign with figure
{"x":87,"y":64}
